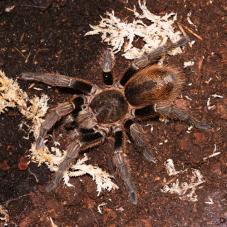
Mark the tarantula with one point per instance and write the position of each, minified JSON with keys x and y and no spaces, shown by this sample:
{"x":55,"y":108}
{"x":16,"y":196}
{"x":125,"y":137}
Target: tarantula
{"x":145,"y":91}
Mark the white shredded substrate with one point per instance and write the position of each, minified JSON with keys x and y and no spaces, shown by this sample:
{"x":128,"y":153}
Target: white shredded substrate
{"x":152,"y":29}
{"x":214,"y":154}
{"x":185,"y":190}
{"x":4,"y":216}
{"x":100,"y":206}
{"x":52,"y":222}
{"x":190,"y":21}
{"x":188,"y":63}
{"x":101,"y":177}
{"x":210,"y":201}
{"x":12,"y":96}
{"x":170,"y":168}
{"x":212,"y":107}
{"x":189,"y":129}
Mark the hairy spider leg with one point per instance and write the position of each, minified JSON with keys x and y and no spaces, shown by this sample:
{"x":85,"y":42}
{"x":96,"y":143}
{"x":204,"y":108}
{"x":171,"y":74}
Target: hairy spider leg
{"x":141,"y":142}
{"x":58,"y":80}
{"x":91,"y":139}
{"x":176,"y":113}
{"x":70,"y":121}
{"x":119,"y":161}
{"x":54,"y":115}
{"x":79,"y":144}
{"x":107,"y":66}
{"x":73,"y":150}
{"x":151,"y":58}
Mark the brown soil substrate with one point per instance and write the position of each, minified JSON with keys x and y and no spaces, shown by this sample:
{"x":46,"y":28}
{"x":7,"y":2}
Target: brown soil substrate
{"x":46,"y":35}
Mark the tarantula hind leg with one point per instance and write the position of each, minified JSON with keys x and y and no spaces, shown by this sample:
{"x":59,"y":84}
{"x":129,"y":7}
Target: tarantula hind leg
{"x":80,"y":143}
{"x":54,"y":115}
{"x":141,"y":142}
{"x":176,"y":113}
{"x":58,"y":80}
{"x":121,"y":165}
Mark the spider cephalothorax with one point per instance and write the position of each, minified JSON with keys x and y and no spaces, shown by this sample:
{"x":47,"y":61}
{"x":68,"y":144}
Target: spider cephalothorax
{"x":109,"y":106}
{"x":145,"y":91}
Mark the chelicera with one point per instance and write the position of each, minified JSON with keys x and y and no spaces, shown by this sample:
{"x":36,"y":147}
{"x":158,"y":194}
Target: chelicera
{"x":145,"y":91}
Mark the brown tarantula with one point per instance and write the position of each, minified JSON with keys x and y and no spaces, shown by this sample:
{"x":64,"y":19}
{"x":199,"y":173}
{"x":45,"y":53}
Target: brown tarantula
{"x":145,"y":91}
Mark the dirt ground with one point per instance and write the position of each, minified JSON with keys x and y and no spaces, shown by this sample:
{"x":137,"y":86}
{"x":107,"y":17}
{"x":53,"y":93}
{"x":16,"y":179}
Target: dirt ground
{"x":45,"y":35}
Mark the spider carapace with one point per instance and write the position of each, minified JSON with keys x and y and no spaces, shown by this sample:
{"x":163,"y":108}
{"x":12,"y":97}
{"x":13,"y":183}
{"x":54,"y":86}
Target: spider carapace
{"x":145,"y":91}
{"x":109,"y":106}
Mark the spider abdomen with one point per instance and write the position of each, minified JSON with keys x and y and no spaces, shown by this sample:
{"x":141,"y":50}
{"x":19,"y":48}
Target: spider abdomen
{"x":153,"y":85}
{"x":109,"y":106}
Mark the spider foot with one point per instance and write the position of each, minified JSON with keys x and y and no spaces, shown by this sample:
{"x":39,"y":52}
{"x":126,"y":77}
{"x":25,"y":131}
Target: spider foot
{"x":132,"y":193}
{"x":121,"y":165}
{"x":125,"y":176}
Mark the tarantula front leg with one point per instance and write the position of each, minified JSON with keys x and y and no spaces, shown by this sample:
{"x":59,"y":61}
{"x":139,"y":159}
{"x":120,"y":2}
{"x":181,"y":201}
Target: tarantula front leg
{"x":141,"y":142}
{"x":58,"y":80}
{"x":121,"y":165}
{"x":54,"y":115}
{"x":80,"y":143}
{"x":176,"y":113}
